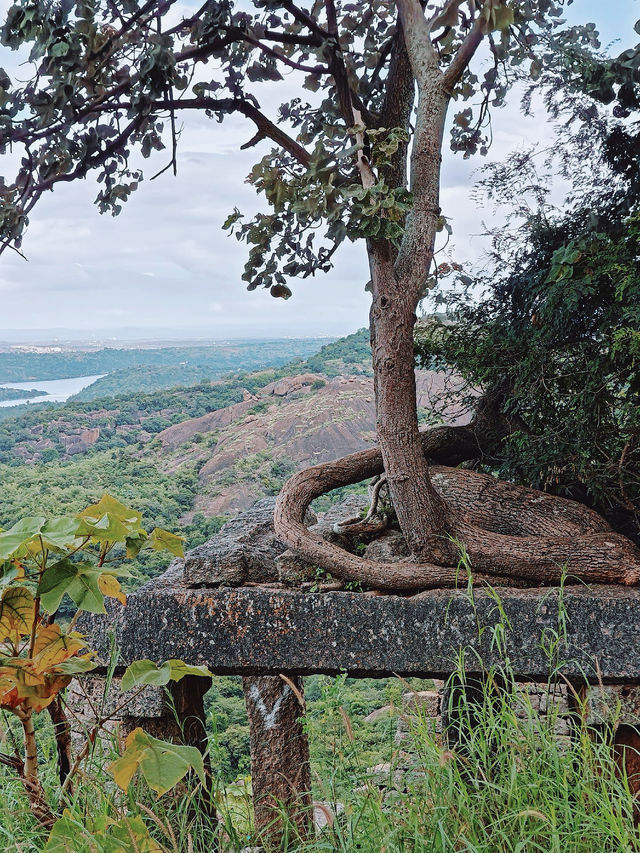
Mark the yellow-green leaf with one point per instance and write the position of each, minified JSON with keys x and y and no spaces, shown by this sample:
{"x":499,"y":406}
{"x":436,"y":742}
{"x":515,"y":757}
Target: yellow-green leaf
{"x":52,"y":647}
{"x":162,"y":764}
{"x":162,"y":540}
{"x":109,"y":585}
{"x":17,"y":612}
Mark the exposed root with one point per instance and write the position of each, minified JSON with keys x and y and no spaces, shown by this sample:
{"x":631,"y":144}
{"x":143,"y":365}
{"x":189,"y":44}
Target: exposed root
{"x":511,"y":534}
{"x":369,"y":525}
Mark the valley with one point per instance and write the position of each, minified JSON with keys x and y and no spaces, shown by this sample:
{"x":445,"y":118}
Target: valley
{"x":190,"y":457}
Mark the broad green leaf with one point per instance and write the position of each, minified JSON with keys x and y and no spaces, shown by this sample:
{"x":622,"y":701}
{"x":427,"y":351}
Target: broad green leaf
{"x":162,"y":764}
{"x":79,"y":580}
{"x":135,"y":543}
{"x":179,"y":669}
{"x":30,"y":535}
{"x":79,"y":834}
{"x":13,"y":542}
{"x":162,"y":540}
{"x":110,"y":521}
{"x":145,"y":672}
{"x":10,"y":571}
{"x":76,"y":665}
{"x":104,"y":529}
{"x":109,"y":505}
{"x":17,"y":612}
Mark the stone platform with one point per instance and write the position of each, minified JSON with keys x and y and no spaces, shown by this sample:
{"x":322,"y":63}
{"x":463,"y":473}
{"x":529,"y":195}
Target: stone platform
{"x":229,"y":605}
{"x":266,"y":631}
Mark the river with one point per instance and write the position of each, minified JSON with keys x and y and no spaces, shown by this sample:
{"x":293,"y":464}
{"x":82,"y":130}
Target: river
{"x":56,"y":390}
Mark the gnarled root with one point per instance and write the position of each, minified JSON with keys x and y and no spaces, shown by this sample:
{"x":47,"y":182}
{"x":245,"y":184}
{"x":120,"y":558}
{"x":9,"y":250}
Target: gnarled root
{"x":510,"y":533}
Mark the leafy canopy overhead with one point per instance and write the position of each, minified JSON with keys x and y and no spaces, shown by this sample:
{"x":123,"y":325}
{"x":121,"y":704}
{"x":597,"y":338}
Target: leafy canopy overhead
{"x":112,"y":77}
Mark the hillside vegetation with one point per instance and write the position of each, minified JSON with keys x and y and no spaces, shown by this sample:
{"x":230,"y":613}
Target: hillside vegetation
{"x":60,"y":458}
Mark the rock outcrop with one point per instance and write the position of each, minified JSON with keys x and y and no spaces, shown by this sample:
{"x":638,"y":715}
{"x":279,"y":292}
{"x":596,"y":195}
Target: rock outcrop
{"x":246,"y":550}
{"x":294,"y":422}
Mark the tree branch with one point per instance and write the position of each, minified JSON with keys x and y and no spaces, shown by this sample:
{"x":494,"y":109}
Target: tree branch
{"x":398,"y":105}
{"x":463,"y":55}
{"x":417,"y":33}
{"x":266,"y":128}
{"x":305,"y":19}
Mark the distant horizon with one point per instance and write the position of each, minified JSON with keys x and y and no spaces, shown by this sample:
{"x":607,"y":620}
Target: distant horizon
{"x":136,"y":334}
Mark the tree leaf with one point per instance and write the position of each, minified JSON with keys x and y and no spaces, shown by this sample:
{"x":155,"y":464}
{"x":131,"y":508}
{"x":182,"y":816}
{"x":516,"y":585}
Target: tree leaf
{"x":109,"y":521}
{"x":162,"y":540}
{"x":80,"y":581}
{"x":17,"y":612}
{"x":162,"y":764}
{"x":179,"y":669}
{"x":109,"y":586}
{"x":13,"y":542}
{"x":53,"y":646}
{"x":78,"y":834}
{"x":145,"y":672}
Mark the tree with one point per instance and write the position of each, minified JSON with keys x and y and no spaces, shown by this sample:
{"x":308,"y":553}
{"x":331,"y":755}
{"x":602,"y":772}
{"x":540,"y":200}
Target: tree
{"x":555,"y":341}
{"x":360,"y":161}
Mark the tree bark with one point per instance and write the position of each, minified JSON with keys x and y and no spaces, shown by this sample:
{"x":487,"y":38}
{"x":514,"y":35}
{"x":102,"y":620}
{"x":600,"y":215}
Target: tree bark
{"x":421,"y":513}
{"x":62,"y":735}
{"x":397,"y":286}
{"x":280,"y":771}
{"x":510,"y":533}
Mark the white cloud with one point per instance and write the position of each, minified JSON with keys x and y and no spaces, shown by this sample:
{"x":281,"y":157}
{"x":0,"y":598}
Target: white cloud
{"x":164,"y":262}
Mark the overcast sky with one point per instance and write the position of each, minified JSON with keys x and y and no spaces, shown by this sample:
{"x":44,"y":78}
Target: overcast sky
{"x":164,"y":263}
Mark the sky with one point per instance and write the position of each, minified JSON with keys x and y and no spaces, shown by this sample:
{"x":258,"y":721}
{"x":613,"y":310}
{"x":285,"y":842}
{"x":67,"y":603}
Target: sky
{"x":164,"y":267}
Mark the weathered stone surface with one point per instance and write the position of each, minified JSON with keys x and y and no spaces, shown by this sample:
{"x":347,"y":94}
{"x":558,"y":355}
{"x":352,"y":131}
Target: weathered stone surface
{"x":245,"y":549}
{"x":88,"y":695}
{"x":387,"y":548}
{"x":350,"y":507}
{"x":380,"y":714}
{"x":293,"y":569}
{"x":607,"y":703}
{"x":263,"y":631}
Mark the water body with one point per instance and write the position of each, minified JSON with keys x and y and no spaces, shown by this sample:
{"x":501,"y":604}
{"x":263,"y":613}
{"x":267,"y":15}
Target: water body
{"x":56,"y":390}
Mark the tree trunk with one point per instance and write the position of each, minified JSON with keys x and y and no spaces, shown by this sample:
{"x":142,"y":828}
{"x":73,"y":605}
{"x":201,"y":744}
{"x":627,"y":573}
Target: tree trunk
{"x":62,"y":735}
{"x":397,"y":287}
{"x":280,"y":771}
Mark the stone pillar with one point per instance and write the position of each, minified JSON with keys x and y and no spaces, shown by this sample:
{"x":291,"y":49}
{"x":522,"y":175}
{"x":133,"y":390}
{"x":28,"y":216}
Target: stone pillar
{"x":280,"y":771}
{"x":616,"y":708}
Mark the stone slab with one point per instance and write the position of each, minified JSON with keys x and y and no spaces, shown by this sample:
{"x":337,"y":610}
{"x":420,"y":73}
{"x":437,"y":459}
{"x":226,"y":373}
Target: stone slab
{"x":264,"y":631}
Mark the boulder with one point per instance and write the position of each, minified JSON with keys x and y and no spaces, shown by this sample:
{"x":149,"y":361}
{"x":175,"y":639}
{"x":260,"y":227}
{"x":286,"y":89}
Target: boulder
{"x":244,"y":550}
{"x":387,"y":548}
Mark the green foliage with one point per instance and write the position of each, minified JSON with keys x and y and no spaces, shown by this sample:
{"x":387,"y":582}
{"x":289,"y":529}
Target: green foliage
{"x":112,"y":83}
{"x":162,"y":764}
{"x":18,"y":394}
{"x":557,"y":338}
{"x":151,"y":369}
{"x":62,"y":486}
{"x":41,"y":562}
{"x":142,"y":672}
{"x":73,"y":834}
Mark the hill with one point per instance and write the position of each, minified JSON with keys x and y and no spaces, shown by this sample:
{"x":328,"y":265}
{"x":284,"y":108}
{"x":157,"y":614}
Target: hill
{"x":189,"y":457}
